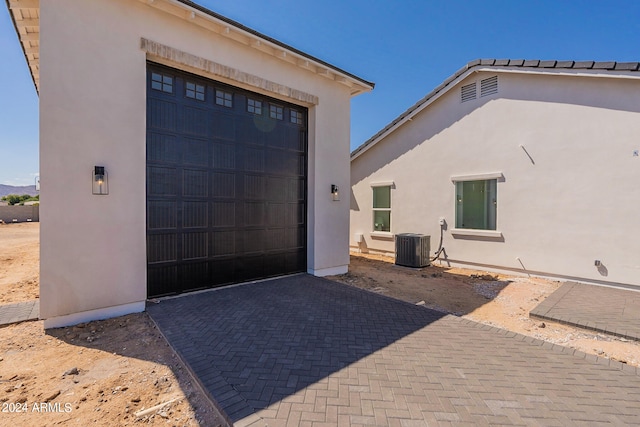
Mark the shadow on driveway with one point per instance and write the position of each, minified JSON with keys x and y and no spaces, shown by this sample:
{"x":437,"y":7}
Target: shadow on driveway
{"x":255,"y":344}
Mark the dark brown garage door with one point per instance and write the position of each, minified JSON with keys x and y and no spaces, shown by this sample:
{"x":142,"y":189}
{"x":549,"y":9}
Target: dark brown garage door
{"x":226,"y":184}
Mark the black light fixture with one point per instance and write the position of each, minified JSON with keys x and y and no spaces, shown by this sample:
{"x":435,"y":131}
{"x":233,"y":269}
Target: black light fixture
{"x":100,"y":181}
{"x":335,"y":195}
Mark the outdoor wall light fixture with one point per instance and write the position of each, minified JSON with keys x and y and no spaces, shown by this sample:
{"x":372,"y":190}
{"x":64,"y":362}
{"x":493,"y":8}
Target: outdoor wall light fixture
{"x":100,"y":181}
{"x":335,"y":195}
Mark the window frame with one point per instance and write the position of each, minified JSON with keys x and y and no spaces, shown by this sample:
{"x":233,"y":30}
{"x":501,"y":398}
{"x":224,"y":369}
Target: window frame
{"x":476,"y":232}
{"x":276,"y":111}
{"x":162,"y":82}
{"x":221,"y":98}
{"x":382,"y":233}
{"x":254,"y":106}
{"x":195,"y":90}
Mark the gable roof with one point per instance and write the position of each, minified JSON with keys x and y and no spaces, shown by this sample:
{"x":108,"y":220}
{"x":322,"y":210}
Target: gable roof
{"x":579,"y":68}
{"x":25,"y":15}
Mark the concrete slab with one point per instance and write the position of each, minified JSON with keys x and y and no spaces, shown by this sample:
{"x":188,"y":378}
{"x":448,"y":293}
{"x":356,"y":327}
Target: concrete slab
{"x":19,"y":312}
{"x":598,"y":308}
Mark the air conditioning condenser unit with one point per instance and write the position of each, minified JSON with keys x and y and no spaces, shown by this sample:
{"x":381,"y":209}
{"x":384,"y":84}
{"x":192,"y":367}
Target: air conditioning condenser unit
{"x":412,"y":250}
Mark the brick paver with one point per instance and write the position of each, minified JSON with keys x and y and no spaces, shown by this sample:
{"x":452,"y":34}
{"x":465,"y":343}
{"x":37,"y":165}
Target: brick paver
{"x":306,"y":351}
{"x":598,"y":308}
{"x":19,"y":312}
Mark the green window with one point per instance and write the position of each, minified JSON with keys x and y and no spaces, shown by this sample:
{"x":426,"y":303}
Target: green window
{"x":476,"y":204}
{"x":382,"y":208}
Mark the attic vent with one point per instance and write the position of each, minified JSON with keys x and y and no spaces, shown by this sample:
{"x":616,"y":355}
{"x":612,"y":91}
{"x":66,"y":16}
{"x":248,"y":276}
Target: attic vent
{"x":468,"y":92}
{"x":489,"y":86}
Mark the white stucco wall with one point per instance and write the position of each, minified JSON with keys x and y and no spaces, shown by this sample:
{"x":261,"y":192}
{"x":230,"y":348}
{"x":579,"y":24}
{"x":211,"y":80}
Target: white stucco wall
{"x":575,"y":202}
{"x":93,"y":112}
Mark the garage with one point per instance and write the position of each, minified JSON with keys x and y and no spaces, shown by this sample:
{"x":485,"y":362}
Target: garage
{"x":226,"y":184}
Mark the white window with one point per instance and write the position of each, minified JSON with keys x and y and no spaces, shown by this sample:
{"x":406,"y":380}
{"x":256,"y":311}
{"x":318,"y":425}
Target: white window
{"x":382,"y":208}
{"x":476,"y":204}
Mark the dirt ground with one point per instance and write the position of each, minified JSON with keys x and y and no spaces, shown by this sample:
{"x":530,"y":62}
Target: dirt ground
{"x":116,"y":372}
{"x":121,"y":372}
{"x":498,"y":300}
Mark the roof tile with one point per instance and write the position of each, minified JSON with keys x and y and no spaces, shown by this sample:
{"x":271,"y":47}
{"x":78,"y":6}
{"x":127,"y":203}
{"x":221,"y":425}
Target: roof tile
{"x":501,"y":62}
{"x":547,"y":64}
{"x":487,"y":61}
{"x":516,"y":62}
{"x":531,"y":63}
{"x":604,"y":65}
{"x":629,"y":66}
{"x":583,"y":64}
{"x":565,"y":64}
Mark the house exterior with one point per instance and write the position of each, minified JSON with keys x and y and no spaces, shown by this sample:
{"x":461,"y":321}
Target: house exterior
{"x":179,"y":150}
{"x":526,"y":167}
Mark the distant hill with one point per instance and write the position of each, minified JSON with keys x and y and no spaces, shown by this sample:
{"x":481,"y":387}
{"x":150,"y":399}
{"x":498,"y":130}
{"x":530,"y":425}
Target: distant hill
{"x":5,"y":190}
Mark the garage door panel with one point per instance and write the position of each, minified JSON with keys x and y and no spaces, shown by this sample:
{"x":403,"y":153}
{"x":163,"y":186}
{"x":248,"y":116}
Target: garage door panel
{"x":195,"y":121}
{"x":162,"y":181}
{"x":162,"y":115}
{"x":275,"y":239}
{"x":190,"y":275}
{"x":254,"y":160}
{"x":195,"y":245}
{"x":223,"y":214}
{"x":254,"y":214}
{"x":195,"y":183}
{"x":226,"y":184}
{"x":196,"y":151}
{"x":223,"y":185}
{"x":223,"y":126}
{"x":223,"y":243}
{"x":195,"y":214}
{"x":162,"y":248}
{"x":254,"y":187}
{"x":276,"y":214}
{"x":162,"y":280}
{"x":223,"y":156}
{"x":163,"y":148}
{"x":162,"y":214}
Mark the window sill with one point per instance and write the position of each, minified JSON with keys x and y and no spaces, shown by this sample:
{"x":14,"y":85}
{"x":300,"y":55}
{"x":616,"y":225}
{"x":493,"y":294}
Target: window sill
{"x":476,"y":233}
{"x":381,"y":235}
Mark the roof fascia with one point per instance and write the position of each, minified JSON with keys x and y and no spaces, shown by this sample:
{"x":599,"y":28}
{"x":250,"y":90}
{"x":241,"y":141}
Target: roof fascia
{"x":231,"y":29}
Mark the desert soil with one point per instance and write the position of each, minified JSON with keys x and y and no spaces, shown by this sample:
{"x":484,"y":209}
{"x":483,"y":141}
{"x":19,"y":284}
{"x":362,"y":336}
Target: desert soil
{"x":121,"y":371}
{"x":116,"y":372}
{"x":493,"y":299}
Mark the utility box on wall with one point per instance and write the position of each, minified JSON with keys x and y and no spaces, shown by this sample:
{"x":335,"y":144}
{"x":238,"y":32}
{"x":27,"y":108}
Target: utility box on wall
{"x":412,"y":250}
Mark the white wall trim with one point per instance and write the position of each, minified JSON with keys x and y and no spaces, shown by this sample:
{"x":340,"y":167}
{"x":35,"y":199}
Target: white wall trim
{"x":332,"y":271}
{"x":382,"y":234}
{"x":478,"y":177}
{"x":99,"y":314}
{"x":176,"y":56}
{"x":383,"y":184}
{"x":476,"y":233}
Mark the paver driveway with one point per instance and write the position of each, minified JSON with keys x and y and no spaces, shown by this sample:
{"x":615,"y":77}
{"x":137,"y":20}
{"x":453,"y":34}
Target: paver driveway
{"x":302,"y":350}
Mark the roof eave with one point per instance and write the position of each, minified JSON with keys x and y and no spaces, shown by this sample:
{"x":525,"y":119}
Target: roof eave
{"x":234,"y":30}
{"x":609,"y":69}
{"x":32,"y":63}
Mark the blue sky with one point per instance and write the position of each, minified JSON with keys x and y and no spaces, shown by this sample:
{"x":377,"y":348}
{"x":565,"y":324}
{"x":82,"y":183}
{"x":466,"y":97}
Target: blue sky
{"x":406,"y":47}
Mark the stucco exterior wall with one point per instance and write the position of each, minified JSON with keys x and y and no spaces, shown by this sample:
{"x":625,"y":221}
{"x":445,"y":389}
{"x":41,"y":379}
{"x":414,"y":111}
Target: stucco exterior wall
{"x":571,"y":198}
{"x":93,"y":112}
